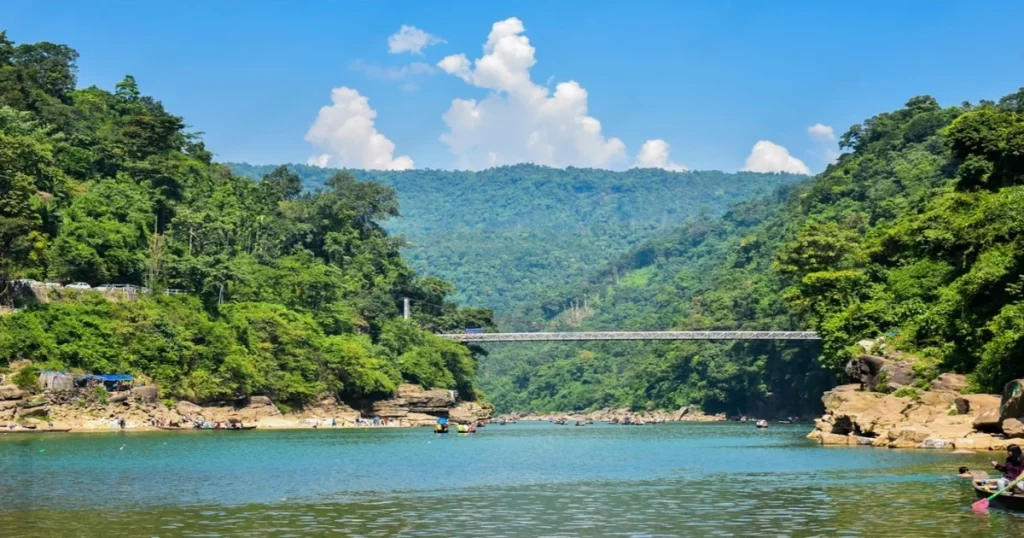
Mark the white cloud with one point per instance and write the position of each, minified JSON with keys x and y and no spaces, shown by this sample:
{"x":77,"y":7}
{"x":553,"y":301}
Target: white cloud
{"x":521,"y":121}
{"x":411,"y":39}
{"x":655,"y":154}
{"x":319,"y":160}
{"x":401,"y":72}
{"x":768,"y":156}
{"x":344,"y":130}
{"x":821,"y":132}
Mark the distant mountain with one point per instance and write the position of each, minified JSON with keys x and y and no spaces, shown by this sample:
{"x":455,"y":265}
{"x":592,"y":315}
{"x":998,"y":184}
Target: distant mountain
{"x":509,"y":237}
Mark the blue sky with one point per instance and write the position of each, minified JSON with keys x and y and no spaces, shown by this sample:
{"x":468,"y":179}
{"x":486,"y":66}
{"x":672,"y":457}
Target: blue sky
{"x":705,"y":81}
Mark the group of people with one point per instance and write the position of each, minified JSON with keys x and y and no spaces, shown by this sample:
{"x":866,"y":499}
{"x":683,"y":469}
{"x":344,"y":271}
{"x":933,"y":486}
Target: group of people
{"x":1012,"y":469}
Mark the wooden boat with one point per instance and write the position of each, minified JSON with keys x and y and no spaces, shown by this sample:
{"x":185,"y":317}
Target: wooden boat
{"x":1007,"y":500}
{"x":39,"y":430}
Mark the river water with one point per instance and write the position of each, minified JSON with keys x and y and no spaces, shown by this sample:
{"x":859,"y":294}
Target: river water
{"x":517,"y":480}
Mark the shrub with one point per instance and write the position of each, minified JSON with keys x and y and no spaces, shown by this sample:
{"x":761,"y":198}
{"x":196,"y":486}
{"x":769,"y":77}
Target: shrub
{"x":908,"y":392}
{"x":28,"y":379}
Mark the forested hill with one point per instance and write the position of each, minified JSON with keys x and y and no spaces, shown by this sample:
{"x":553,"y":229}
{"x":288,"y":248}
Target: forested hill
{"x":914,"y":237}
{"x":287,"y":294}
{"x":509,"y":237}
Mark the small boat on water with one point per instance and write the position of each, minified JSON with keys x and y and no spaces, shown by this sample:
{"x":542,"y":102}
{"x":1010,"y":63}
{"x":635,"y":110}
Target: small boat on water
{"x":1010,"y":501}
{"x":37,"y":430}
{"x":762,"y":423}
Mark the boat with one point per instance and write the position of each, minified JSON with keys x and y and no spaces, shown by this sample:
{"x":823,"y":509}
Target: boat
{"x":1007,"y":500}
{"x":441,"y":428}
{"x":39,"y":430}
{"x":762,"y":423}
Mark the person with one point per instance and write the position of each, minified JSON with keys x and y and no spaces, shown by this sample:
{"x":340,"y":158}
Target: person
{"x":334,"y":421}
{"x":1012,"y":469}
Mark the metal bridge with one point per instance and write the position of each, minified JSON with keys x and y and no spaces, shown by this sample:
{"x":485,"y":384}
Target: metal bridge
{"x":632,"y":335}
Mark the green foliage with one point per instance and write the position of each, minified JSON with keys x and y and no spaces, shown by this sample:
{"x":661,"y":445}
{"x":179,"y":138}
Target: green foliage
{"x":913,"y":235}
{"x":509,"y":237}
{"x":908,"y":392}
{"x":101,"y":395}
{"x":286,"y":293}
{"x":28,"y":379}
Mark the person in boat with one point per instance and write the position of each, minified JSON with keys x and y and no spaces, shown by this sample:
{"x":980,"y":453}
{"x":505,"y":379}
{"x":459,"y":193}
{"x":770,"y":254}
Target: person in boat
{"x":1013,"y":468}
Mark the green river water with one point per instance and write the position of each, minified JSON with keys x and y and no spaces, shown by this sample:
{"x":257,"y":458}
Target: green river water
{"x":518,"y":480}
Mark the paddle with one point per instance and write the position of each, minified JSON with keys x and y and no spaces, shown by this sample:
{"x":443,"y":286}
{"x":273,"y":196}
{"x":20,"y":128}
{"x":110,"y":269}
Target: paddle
{"x":982,"y":505}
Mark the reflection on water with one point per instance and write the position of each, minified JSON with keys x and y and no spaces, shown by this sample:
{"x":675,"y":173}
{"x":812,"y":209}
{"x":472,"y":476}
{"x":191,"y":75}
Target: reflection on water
{"x":522,"y":480}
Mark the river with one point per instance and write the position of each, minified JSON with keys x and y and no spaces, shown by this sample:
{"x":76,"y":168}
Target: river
{"x":724,"y":479}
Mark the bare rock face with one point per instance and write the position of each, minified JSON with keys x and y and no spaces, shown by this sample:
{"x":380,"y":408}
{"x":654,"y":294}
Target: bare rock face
{"x":1013,"y":428}
{"x":11,"y":392}
{"x":988,"y":421}
{"x":1011,"y":405}
{"x":469,"y":413}
{"x":949,"y":381}
{"x":188,"y":408}
{"x":146,"y":393}
{"x":40,"y":411}
{"x":932,"y":419}
{"x":877,"y":373}
{"x":420,"y":400}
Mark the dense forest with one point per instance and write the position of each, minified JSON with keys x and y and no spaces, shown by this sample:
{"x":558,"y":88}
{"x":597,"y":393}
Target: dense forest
{"x":509,"y":237}
{"x":289,"y":294}
{"x":912,"y":239}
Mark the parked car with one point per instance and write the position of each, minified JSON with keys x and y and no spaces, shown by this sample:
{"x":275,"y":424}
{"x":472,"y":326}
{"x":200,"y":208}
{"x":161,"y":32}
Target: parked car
{"x":79,"y":286}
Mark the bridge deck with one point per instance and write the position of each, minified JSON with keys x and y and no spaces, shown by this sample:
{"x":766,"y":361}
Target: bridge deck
{"x":633,"y":335}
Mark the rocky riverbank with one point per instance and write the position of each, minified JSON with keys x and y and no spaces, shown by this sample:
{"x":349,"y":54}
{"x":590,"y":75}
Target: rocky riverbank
{"x":140,"y":408}
{"x":622,"y":416}
{"x":885,"y":409}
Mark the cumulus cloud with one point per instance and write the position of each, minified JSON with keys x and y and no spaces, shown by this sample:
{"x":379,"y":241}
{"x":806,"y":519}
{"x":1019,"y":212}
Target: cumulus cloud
{"x":655,"y":154}
{"x":319,"y":160}
{"x":821,"y":132}
{"x":411,"y":39}
{"x":768,"y":156}
{"x":521,"y":121}
{"x":344,"y":131}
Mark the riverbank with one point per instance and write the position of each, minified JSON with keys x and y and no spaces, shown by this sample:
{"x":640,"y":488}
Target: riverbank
{"x":621,"y":416}
{"x":887,"y":409}
{"x":140,"y":409}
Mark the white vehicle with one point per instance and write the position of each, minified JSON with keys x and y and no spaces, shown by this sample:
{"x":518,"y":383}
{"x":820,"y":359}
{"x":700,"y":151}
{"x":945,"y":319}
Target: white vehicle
{"x":78,"y":286}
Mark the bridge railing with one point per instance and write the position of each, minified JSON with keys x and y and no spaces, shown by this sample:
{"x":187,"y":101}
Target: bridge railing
{"x":632,"y":335}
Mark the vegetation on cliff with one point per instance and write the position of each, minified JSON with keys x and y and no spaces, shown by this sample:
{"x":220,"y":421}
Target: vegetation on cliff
{"x":290,"y":294}
{"x":913,"y":235}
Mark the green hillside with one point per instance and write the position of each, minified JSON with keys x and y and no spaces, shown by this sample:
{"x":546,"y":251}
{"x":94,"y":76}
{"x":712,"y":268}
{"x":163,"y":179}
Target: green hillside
{"x":508,"y":237}
{"x":287,"y":294}
{"x":914,"y":236}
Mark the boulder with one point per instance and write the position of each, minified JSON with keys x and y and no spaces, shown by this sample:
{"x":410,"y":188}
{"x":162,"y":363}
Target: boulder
{"x":147,"y":393}
{"x":962,"y":405}
{"x":258,"y":401}
{"x":188,"y":408}
{"x":682,"y":412}
{"x":1013,"y":428}
{"x":11,"y":392}
{"x":834,"y":439}
{"x":988,"y":421}
{"x":934,"y":443}
{"x":982,"y":441}
{"x":877,"y":373}
{"x":908,"y":436}
{"x":858,"y":440}
{"x":1011,"y":405}
{"x":40,"y":411}
{"x":8,"y":404}
{"x":949,"y":381}
{"x":419,"y":400}
{"x":118,"y":397}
